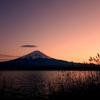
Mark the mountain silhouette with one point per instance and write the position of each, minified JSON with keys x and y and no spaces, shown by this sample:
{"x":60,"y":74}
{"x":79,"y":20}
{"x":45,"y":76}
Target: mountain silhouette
{"x":36,"y":54}
{"x":37,"y":60}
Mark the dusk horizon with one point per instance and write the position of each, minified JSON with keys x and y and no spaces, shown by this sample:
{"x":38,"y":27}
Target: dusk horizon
{"x":13,"y":57}
{"x":64,"y":29}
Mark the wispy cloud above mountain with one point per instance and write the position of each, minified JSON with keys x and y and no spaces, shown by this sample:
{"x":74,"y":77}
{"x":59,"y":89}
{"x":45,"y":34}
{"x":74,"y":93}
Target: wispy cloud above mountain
{"x":29,"y":46}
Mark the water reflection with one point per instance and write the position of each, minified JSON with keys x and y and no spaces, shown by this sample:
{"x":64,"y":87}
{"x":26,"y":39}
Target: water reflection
{"x":30,"y":77}
{"x":30,"y":83}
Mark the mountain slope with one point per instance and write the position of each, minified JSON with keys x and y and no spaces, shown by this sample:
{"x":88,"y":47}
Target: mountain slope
{"x":39,"y":61}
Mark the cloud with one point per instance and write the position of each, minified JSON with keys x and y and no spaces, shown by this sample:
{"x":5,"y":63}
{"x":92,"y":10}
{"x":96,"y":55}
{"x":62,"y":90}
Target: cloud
{"x":4,"y":55}
{"x":29,"y":46}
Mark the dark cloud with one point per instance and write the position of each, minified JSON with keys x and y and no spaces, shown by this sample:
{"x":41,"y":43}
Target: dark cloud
{"x":2,"y":60}
{"x":29,"y":46}
{"x":4,"y":55}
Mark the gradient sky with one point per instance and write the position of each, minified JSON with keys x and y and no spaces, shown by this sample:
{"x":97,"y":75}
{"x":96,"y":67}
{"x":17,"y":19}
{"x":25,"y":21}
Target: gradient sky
{"x":63,"y":29}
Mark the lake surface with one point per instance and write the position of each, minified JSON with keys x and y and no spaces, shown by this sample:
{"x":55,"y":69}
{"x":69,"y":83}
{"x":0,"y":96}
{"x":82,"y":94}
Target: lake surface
{"x":30,"y":83}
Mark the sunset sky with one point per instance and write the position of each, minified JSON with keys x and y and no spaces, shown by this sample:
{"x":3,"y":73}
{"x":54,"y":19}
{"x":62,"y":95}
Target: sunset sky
{"x":63,"y":29}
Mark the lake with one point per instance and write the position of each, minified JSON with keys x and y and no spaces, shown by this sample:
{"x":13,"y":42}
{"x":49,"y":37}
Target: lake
{"x":44,"y":84}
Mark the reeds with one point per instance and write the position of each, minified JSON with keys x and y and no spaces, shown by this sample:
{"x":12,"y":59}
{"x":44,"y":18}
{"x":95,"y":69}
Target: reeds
{"x":65,"y":84}
{"x":95,"y":60}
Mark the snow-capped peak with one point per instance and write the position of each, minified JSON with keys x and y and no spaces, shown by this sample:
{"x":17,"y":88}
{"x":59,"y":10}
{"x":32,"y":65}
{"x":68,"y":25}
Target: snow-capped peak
{"x":36,"y":54}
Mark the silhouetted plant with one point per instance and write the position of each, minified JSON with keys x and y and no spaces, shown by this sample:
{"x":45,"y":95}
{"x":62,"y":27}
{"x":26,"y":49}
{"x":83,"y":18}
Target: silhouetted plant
{"x":70,"y":84}
{"x":95,"y":60}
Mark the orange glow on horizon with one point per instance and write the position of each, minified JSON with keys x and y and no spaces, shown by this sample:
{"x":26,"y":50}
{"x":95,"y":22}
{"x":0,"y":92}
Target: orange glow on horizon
{"x":61,"y":29}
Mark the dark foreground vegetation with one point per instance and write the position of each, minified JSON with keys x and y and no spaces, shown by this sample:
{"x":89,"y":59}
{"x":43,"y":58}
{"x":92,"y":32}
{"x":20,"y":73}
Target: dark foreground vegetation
{"x":65,"y":88}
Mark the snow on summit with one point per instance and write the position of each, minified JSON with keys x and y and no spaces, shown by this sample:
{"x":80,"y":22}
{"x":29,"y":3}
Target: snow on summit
{"x":36,"y":54}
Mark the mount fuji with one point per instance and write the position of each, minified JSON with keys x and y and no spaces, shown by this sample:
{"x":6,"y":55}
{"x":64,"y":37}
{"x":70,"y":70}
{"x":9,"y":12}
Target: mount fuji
{"x":35,"y":55}
{"x":37,"y":60}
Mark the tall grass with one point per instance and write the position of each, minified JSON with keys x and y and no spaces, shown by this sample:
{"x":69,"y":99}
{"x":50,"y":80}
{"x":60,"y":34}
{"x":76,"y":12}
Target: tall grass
{"x":75,"y":87}
{"x":66,"y":84}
